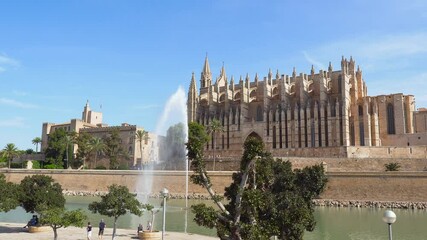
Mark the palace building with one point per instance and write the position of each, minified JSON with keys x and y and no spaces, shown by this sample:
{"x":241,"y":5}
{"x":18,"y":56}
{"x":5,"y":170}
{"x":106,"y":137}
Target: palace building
{"x":325,"y":113}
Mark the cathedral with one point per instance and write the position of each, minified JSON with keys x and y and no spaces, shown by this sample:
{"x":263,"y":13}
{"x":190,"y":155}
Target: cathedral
{"x":322,"y":113}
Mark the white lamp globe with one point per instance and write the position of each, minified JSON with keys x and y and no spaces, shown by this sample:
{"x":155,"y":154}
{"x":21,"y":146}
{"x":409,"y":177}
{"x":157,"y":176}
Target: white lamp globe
{"x":389,"y":217}
{"x":164,"y":192}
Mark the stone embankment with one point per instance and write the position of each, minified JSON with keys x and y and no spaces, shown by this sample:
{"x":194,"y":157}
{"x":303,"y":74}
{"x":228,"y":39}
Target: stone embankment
{"x":317,"y":202}
{"x":369,"y":204}
{"x":156,"y":195}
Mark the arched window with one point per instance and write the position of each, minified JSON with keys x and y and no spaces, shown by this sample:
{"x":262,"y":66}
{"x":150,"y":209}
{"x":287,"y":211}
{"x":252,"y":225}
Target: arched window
{"x":390,"y":119}
{"x":259,"y":115}
{"x":360,"y":110}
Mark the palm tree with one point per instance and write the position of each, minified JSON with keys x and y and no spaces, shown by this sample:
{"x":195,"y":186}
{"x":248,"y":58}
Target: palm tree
{"x":10,"y":151}
{"x":36,"y":142}
{"x":97,"y":146}
{"x":214,"y":127}
{"x":141,"y":135}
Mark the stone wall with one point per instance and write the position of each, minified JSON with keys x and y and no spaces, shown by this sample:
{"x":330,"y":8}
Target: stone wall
{"x":368,"y":186}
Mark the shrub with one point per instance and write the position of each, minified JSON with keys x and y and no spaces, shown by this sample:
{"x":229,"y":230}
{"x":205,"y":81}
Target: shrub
{"x":15,"y":165}
{"x":36,"y":165}
{"x":392,"y":167}
{"x":123,"y":167}
{"x":53,"y":166}
{"x":101,"y":168}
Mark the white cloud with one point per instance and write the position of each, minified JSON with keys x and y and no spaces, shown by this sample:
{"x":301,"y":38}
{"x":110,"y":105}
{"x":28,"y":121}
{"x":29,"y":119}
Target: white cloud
{"x":7,"y":62}
{"x":15,"y":122}
{"x":14,"y":103}
{"x":317,"y":64}
{"x":381,"y":47}
{"x":146,"y":106}
{"x":19,"y":93}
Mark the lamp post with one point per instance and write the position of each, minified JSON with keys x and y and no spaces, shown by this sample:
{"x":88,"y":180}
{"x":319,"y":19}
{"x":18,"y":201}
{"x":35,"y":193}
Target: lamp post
{"x":389,"y":218}
{"x":165,"y":194}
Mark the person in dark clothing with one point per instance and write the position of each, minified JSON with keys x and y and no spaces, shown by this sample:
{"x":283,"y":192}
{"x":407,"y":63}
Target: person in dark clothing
{"x":101,"y":229}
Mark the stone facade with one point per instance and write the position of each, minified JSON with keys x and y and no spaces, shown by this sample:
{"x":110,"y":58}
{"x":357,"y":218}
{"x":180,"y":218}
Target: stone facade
{"x":91,"y":123}
{"x":327,"y":111}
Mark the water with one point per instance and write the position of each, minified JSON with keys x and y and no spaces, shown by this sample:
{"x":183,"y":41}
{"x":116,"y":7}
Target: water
{"x":332,"y":223}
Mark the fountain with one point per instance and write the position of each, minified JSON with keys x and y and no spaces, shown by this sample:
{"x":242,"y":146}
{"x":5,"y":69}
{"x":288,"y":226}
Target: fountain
{"x":174,"y":114}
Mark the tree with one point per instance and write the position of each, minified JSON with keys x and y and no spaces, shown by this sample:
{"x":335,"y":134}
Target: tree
{"x":36,"y":141}
{"x":141,"y":135}
{"x":97,"y":147}
{"x":175,"y":153}
{"x":391,"y":167}
{"x":8,"y":193}
{"x":9,"y":152}
{"x":84,"y":149}
{"x":266,"y":198}
{"x":117,"y":202}
{"x":114,"y":149}
{"x":56,"y":149}
{"x":153,"y":212}
{"x":59,"y":217}
{"x":39,"y":193}
{"x":214,"y":127}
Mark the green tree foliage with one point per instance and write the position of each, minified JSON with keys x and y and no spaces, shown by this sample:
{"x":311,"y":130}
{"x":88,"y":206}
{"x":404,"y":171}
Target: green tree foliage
{"x":175,"y":154}
{"x":392,"y":167}
{"x":39,"y":193}
{"x":266,"y":198}
{"x":114,"y":149}
{"x":84,"y":149}
{"x":56,"y":149}
{"x":59,"y":217}
{"x":213,"y":128}
{"x":36,"y":141}
{"x":141,"y":136}
{"x":8,"y":195}
{"x":116,"y":203}
{"x":9,"y":152}
{"x":97,"y":147}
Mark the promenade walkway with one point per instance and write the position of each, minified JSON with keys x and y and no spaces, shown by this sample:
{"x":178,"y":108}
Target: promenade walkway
{"x":14,"y":231}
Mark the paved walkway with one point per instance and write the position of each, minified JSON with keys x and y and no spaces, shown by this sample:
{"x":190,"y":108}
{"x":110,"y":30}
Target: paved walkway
{"x":14,"y":231}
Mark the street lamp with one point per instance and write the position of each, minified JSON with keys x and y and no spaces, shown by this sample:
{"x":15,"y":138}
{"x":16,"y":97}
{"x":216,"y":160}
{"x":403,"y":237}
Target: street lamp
{"x":389,"y":218}
{"x":165,"y":194}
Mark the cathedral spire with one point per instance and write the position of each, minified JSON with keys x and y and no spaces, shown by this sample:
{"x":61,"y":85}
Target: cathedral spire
{"x":206,"y":67}
{"x":277,"y":74}
{"x":206,"y":76}
{"x":312,"y":69}
{"x":330,"y":67}
{"x":192,"y":100}
{"x":223,"y":70}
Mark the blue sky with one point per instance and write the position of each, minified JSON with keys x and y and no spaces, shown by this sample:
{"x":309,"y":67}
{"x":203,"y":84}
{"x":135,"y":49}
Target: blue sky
{"x":130,"y":56}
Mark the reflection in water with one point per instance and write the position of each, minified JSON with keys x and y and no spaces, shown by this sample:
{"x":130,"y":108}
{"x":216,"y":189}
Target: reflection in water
{"x":332,"y":223}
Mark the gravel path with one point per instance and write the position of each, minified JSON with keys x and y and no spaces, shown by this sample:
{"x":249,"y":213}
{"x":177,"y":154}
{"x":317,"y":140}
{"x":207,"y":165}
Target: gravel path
{"x":14,"y":231}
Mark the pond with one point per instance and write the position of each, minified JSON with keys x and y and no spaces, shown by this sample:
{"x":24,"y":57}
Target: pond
{"x":332,"y":223}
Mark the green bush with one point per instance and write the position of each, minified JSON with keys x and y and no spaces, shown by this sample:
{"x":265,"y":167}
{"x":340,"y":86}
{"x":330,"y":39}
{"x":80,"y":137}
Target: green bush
{"x":101,"y":168}
{"x":123,"y":167}
{"x":36,"y":165}
{"x":392,"y":167}
{"x":53,"y":166}
{"x":15,"y":165}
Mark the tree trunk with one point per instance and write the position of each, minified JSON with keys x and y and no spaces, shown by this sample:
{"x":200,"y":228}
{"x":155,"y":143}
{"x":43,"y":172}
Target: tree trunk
{"x":96,"y":156}
{"x":55,"y":234}
{"x":9,"y":162}
{"x":114,"y":228}
{"x":213,"y":143}
{"x":140,"y":149}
